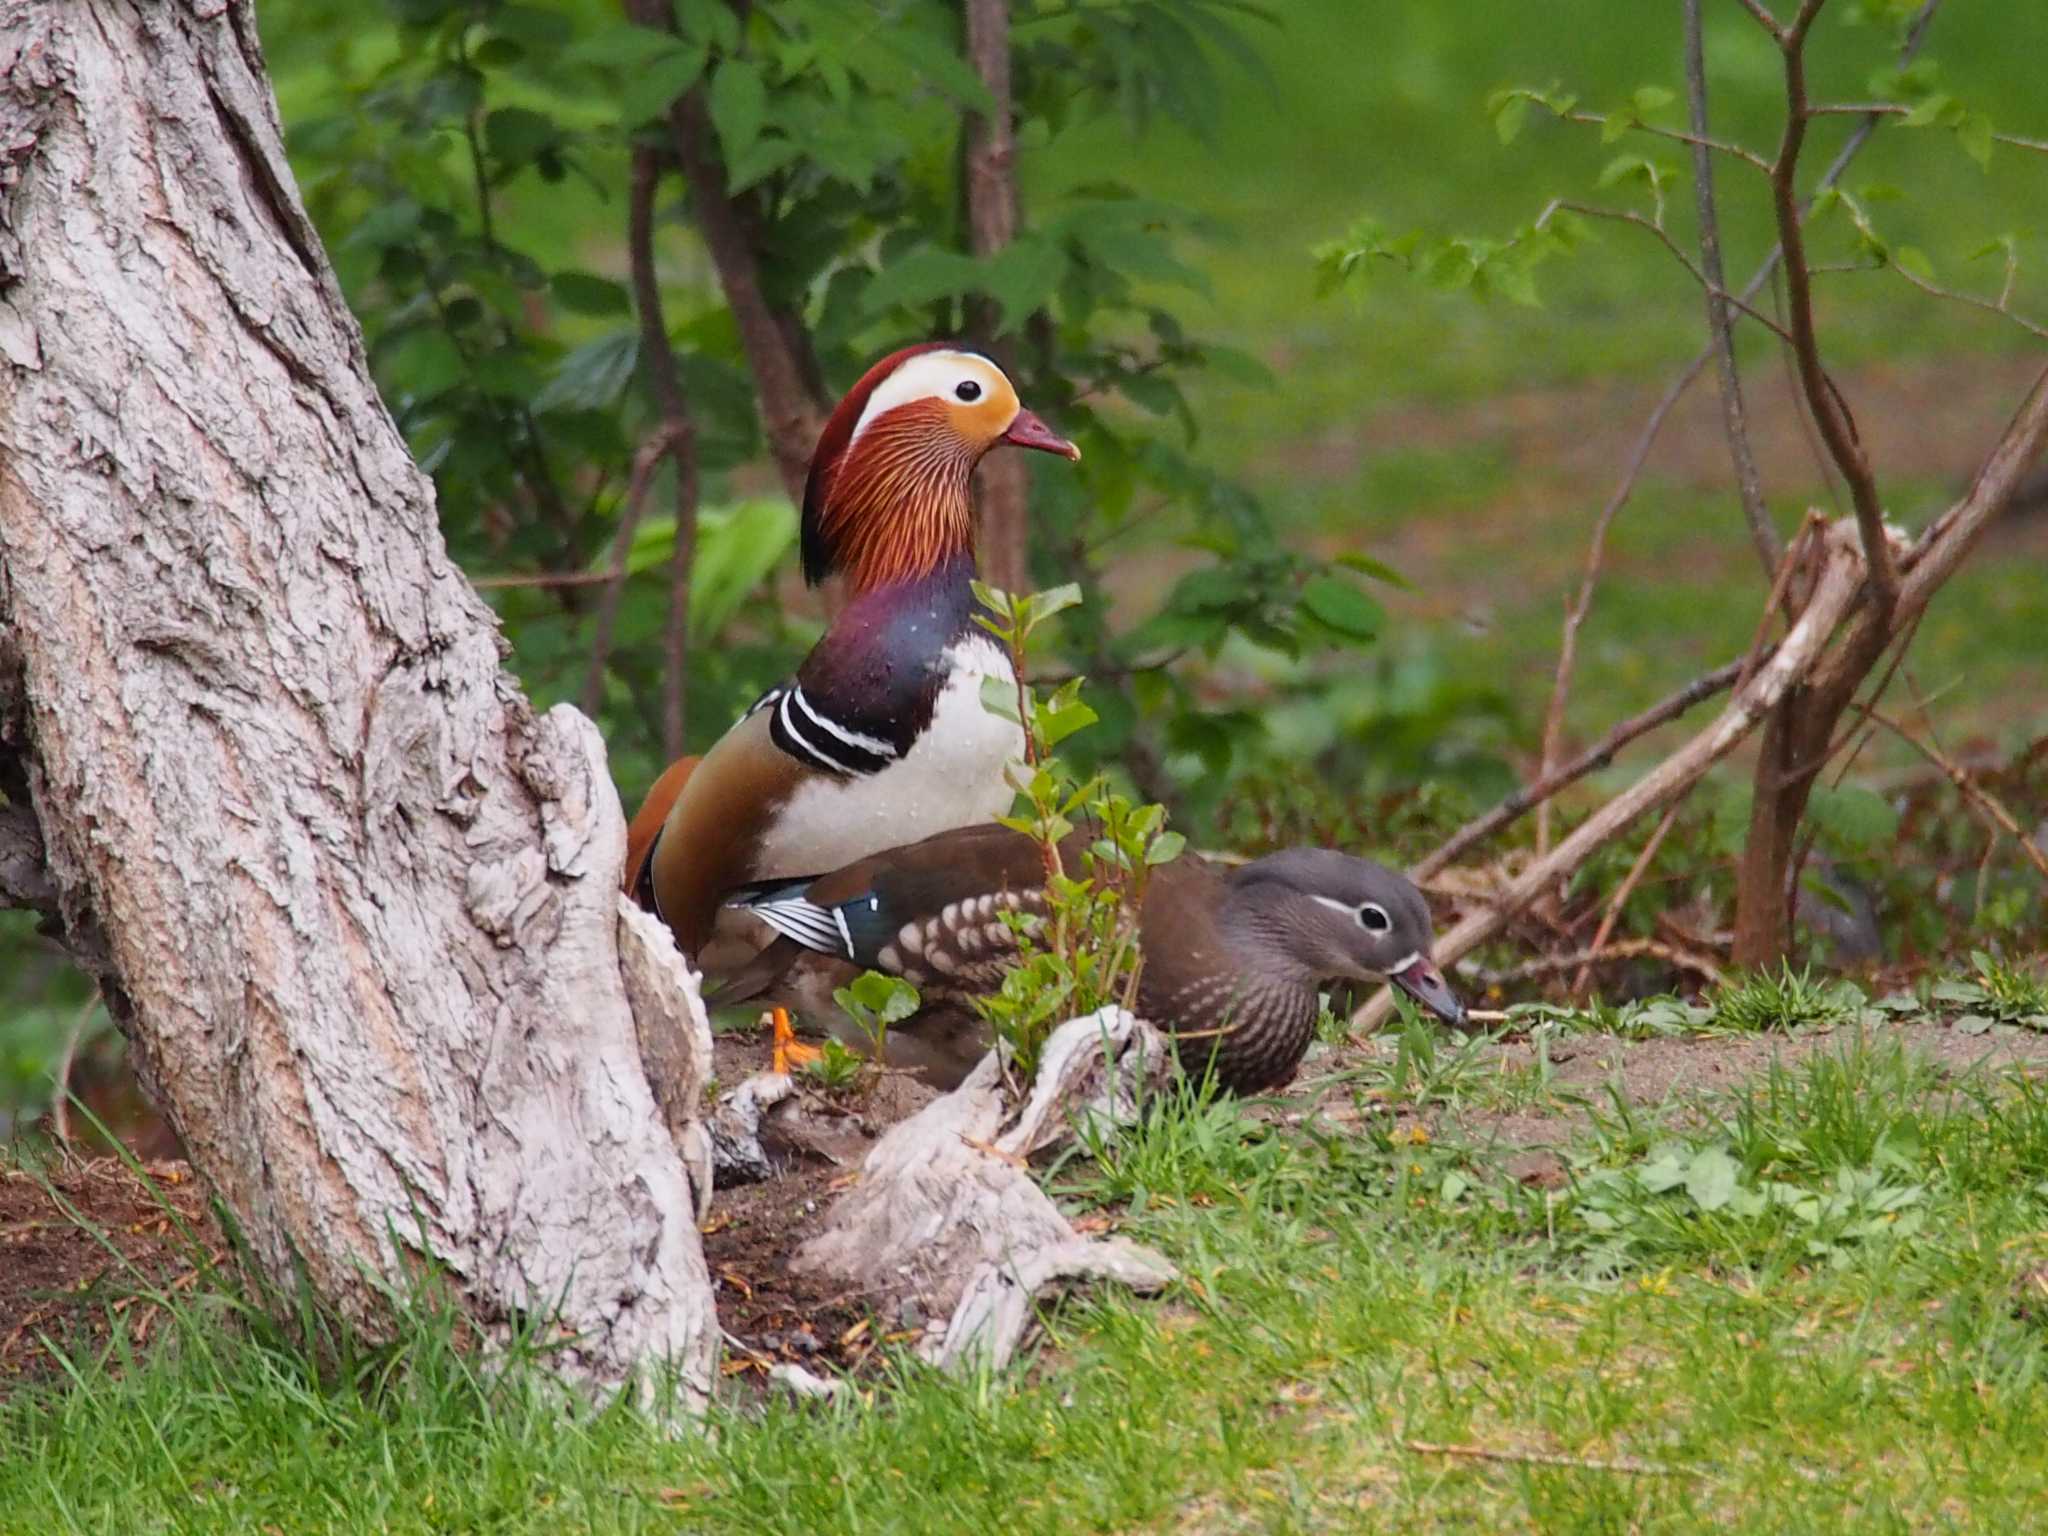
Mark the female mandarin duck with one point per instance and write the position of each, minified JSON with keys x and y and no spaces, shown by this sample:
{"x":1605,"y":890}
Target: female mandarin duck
{"x":1234,"y":958}
{"x":881,"y":738}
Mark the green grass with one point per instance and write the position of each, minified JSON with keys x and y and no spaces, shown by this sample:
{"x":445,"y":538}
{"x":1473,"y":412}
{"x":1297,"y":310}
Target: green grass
{"x":1798,"y":1307}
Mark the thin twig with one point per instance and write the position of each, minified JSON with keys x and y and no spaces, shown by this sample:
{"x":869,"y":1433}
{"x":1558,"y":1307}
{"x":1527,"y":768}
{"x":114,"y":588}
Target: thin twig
{"x":1576,"y":610}
{"x":645,"y":462}
{"x":1780,"y":580}
{"x":1626,"y":949}
{"x":1714,"y":280}
{"x":1624,"y":891}
{"x":1830,"y":412}
{"x":1710,"y":286}
{"x":1988,"y":803}
{"x":1591,"y":760}
{"x":1898,"y":109}
{"x":1626,"y":1465}
{"x":679,"y":430}
{"x":1698,"y":138}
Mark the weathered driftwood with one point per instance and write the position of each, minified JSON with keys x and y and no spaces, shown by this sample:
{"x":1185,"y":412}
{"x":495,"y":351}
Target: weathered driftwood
{"x":946,"y":1222}
{"x":361,"y":904}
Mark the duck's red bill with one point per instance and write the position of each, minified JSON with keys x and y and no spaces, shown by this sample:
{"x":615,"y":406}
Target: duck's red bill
{"x":1028,"y":431}
{"x":1421,"y":980}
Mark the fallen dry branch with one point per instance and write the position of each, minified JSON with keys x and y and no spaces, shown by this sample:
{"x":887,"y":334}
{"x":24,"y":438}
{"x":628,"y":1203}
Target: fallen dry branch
{"x":946,"y":1226}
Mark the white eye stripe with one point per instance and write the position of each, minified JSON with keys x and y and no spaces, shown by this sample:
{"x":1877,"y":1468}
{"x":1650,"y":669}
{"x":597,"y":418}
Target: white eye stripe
{"x":1358,"y":913}
{"x":927,"y":376}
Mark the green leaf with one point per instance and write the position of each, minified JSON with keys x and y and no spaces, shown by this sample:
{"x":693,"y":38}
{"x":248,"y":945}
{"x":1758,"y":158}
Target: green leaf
{"x":1711,"y":1179}
{"x":999,"y":698}
{"x":1056,"y":725}
{"x":1927,"y":111}
{"x":920,"y":278}
{"x":1975,"y":133}
{"x":585,"y":293}
{"x":651,"y":87}
{"x":1055,"y":600}
{"x":1341,"y":606}
{"x":515,"y":135}
{"x":739,"y":105}
{"x":1378,"y":570}
{"x":1649,"y":99}
{"x":1510,"y":112}
{"x":1022,"y":277}
{"x":1914,"y":260}
{"x":1165,"y":848}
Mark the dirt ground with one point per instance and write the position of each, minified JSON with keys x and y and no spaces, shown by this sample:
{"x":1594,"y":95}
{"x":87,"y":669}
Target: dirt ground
{"x":66,"y":1286}
{"x":69,"y":1285}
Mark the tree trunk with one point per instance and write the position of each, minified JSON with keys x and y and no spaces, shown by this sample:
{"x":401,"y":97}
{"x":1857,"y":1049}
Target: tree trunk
{"x":360,"y":904}
{"x":990,"y":176}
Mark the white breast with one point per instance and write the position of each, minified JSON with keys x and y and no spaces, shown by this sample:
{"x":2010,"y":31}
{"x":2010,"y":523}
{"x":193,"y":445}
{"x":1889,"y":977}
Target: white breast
{"x":954,"y":775}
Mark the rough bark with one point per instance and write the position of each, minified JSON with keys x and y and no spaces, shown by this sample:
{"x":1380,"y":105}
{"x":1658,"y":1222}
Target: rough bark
{"x":989,"y":183}
{"x":946,"y":1223}
{"x":361,"y":901}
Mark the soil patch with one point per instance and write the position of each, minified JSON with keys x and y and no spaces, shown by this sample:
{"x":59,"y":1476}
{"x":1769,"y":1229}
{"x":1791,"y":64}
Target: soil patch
{"x":1678,"y":1077}
{"x":80,"y":1242}
{"x":770,"y":1314}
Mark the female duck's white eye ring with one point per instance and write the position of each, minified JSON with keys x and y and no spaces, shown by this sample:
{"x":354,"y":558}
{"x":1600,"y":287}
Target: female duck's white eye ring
{"x":1373,"y":918}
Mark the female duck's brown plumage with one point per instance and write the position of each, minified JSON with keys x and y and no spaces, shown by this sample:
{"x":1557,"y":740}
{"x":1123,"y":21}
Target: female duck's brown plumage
{"x":880,"y":737}
{"x":1233,"y":958}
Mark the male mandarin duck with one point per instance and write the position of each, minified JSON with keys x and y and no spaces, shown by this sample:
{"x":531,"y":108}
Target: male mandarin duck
{"x":881,"y":737}
{"x":1234,"y":958}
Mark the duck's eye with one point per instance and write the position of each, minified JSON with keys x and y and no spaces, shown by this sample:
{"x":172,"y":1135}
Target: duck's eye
{"x":1373,"y":917}
{"x":967,"y":390}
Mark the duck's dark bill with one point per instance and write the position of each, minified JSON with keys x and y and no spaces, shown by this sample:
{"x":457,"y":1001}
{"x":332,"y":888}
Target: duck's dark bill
{"x":1422,"y":981}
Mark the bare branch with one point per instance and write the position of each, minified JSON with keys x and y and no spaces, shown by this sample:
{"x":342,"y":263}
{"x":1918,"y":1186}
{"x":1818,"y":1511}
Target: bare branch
{"x":1764,"y":18}
{"x":1768,"y":548}
{"x":1592,"y":760}
{"x":1830,"y":413}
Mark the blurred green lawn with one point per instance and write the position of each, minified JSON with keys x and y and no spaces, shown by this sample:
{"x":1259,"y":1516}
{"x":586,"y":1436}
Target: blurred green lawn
{"x":1399,"y":420}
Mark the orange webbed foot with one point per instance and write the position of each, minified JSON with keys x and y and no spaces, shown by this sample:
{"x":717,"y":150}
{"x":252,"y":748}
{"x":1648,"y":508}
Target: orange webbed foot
{"x":790,"y":1052}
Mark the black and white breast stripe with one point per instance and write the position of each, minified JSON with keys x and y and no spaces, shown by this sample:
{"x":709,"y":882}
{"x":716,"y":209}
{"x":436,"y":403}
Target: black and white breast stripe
{"x":816,"y":740}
